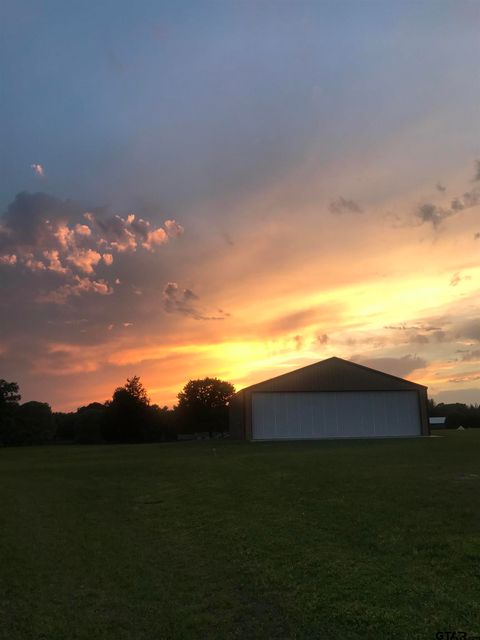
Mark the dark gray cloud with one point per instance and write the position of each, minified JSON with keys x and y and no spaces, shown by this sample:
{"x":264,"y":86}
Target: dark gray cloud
{"x":430,"y":213}
{"x":457,"y":278}
{"x":185,"y":302}
{"x":299,"y":342}
{"x":471,"y":355}
{"x":32,"y":220}
{"x":466,"y":201}
{"x":441,"y":329}
{"x":430,"y":330}
{"x":401,"y":366}
{"x":343,"y":205}
{"x":469,"y":329}
{"x":434,"y":214}
{"x":425,"y":331}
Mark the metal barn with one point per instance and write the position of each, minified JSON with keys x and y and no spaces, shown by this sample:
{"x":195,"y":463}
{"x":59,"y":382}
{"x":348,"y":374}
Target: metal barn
{"x":333,"y":398}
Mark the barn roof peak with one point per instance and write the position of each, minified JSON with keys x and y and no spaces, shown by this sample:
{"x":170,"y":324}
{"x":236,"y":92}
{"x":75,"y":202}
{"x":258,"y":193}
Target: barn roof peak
{"x":335,"y":372}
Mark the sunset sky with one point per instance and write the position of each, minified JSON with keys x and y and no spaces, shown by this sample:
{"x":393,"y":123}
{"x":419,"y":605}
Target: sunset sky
{"x":237,"y":189}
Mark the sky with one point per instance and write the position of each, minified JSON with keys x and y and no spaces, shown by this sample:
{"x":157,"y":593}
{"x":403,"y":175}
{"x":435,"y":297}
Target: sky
{"x":237,"y":189}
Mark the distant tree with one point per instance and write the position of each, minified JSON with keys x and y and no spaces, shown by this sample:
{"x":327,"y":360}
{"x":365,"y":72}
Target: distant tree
{"x":457,"y":414}
{"x":127,"y":415}
{"x":29,"y":423}
{"x":9,"y":400}
{"x":37,"y":422}
{"x":64,"y":426}
{"x":136,"y":390}
{"x":9,"y":396}
{"x":203,"y":405}
{"x":161,"y":424}
{"x":87,"y":423}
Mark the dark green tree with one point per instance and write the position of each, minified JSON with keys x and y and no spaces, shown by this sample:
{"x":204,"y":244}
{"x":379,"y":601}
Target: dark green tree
{"x":9,"y":396}
{"x":27,"y":424}
{"x":127,"y":414}
{"x":161,"y":424}
{"x":35,"y":422}
{"x":136,"y":390}
{"x":64,"y":426}
{"x":9,"y":400}
{"x":87,"y":423}
{"x":203,"y":405}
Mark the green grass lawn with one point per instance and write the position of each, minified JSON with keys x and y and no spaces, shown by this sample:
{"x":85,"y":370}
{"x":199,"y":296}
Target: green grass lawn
{"x":354,"y":539}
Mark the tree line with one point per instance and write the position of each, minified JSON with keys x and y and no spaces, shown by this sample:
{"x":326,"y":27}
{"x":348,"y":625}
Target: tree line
{"x":456,"y":414}
{"x":128,"y":417}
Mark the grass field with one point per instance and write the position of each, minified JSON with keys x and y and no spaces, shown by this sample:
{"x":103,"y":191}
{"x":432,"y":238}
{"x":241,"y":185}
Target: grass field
{"x":354,"y":539}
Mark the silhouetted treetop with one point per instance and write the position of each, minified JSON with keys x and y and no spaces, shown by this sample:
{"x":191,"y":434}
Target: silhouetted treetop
{"x":203,"y":405}
{"x":9,"y":394}
{"x":135,"y":388}
{"x":127,"y":415}
{"x":210,"y":393}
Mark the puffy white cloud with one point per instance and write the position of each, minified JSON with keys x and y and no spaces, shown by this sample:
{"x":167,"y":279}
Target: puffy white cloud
{"x":38,"y":169}
{"x":84,"y":259}
{"x":155,"y":238}
{"x":54,"y":262}
{"x":64,"y":235}
{"x":83,"y":230}
{"x":173,"y":228}
{"x":8,"y":259}
{"x":128,"y":234}
{"x":32,"y":263}
{"x":343,"y":205}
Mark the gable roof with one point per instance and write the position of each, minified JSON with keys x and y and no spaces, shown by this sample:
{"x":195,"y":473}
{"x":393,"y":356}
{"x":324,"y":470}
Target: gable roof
{"x":334,"y":374}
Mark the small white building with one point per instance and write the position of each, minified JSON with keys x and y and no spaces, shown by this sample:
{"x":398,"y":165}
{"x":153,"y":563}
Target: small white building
{"x":437,"y":423}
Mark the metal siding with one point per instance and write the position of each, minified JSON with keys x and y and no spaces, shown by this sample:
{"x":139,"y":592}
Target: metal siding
{"x":333,"y":414}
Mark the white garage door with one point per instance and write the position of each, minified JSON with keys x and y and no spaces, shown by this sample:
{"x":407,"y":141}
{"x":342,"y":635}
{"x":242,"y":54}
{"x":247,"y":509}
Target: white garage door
{"x":345,"y":414}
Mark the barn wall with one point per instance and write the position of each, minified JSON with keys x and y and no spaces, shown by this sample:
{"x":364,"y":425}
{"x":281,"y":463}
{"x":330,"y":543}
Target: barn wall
{"x":301,"y":415}
{"x":422,"y":401}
